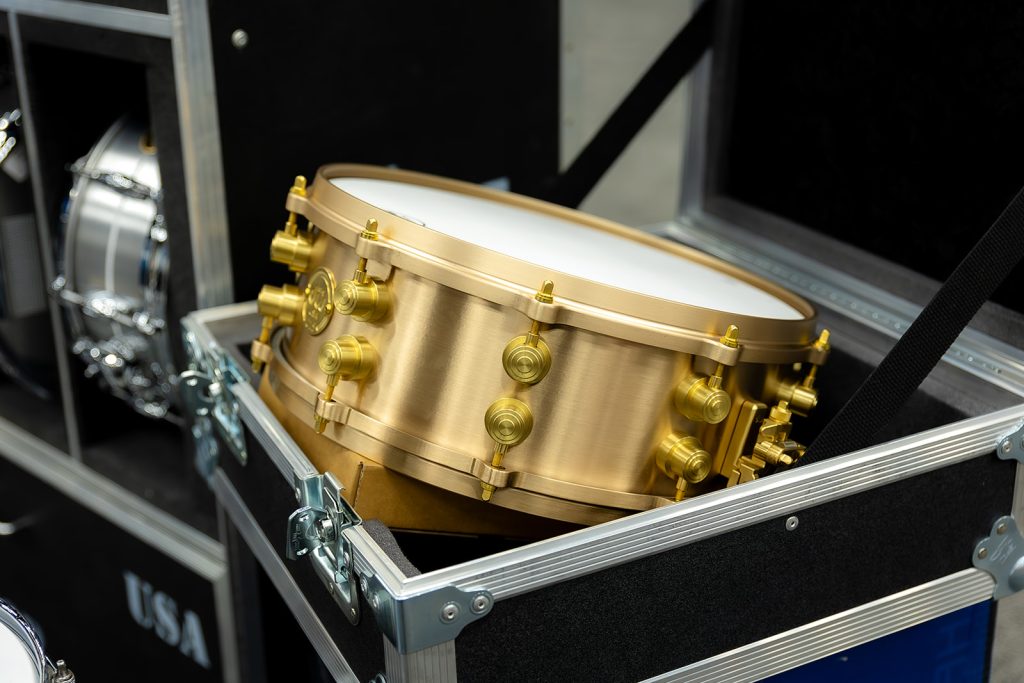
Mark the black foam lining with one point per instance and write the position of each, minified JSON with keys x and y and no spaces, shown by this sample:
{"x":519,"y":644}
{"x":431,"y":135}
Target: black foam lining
{"x":893,"y":127}
{"x":647,"y":617}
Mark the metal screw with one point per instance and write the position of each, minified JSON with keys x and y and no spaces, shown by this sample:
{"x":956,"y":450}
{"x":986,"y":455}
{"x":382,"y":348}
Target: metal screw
{"x":298,"y":494}
{"x":1006,"y":446}
{"x":325,"y":530}
{"x":481,"y":603}
{"x":792,"y":523}
{"x":982,"y":553}
{"x":63,"y":674}
{"x":364,"y":585}
{"x":1001,"y":528}
{"x":375,"y":602}
{"x":449,"y":613}
{"x":239,"y":38}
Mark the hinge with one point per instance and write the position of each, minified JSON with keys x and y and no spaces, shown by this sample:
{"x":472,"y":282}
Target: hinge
{"x":205,"y":391}
{"x":1011,"y":445}
{"x":1002,"y":556}
{"x":315,"y":529}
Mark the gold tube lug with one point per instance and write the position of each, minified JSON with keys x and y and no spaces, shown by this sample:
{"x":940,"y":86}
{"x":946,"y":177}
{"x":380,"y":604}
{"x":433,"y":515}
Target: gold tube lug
{"x":801,"y":398}
{"x":683,"y":458}
{"x":346,"y":358}
{"x":283,"y":304}
{"x":698,"y":401}
{"x":293,"y":250}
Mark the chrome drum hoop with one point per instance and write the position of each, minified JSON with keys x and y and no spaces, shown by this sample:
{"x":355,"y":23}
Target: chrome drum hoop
{"x":115,"y":269}
{"x":45,"y":670}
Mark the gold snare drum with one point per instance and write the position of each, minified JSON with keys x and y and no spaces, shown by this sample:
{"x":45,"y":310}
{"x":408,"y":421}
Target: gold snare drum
{"x":525,"y":354}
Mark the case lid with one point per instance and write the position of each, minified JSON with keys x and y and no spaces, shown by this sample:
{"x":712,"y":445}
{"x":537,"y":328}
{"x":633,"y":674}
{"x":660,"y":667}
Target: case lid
{"x":897,"y":129}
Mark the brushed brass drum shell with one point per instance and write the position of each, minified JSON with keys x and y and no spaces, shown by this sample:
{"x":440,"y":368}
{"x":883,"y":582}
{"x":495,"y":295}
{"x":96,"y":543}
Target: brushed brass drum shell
{"x":598,"y":415}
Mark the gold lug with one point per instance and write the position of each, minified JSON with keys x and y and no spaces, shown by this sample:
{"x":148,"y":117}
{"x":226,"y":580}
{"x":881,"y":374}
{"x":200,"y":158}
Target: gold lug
{"x":701,"y":398}
{"x":283,"y":304}
{"x":293,"y":250}
{"x":276,"y":304}
{"x":684,"y":459}
{"x":508,"y":421}
{"x":318,"y":305}
{"x":697,"y":401}
{"x":362,"y":297}
{"x":801,"y":398}
{"x":527,"y":358}
{"x":346,"y":358}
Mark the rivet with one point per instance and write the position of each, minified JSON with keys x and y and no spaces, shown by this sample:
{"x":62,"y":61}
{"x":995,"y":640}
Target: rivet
{"x":982,"y":553}
{"x":792,"y":523}
{"x":364,"y":585}
{"x":239,"y":38}
{"x":450,"y":612}
{"x":1001,"y":528}
{"x":1006,"y":446}
{"x":330,"y":589}
{"x":481,"y":603}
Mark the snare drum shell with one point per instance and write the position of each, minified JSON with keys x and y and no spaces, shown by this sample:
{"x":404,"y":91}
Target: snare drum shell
{"x":617,"y":356}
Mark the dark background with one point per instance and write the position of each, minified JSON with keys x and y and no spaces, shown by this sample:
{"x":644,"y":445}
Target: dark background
{"x":895,"y":127}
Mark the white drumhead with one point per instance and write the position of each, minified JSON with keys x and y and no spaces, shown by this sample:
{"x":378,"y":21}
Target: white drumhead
{"x":17,"y":665}
{"x":568,"y":247}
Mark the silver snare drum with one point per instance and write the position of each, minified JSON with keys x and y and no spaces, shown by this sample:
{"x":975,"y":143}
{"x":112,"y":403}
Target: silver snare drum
{"x":115,"y":264}
{"x":21,"y":653}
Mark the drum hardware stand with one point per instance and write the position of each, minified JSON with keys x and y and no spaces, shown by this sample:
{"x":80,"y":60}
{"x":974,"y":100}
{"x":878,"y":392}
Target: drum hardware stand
{"x":349,"y":358}
{"x":411,"y":622}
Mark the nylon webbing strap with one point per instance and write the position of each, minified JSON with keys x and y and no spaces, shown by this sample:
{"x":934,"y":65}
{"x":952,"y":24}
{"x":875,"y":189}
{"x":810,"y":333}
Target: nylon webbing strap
{"x":924,"y":343}
{"x":674,"y":62}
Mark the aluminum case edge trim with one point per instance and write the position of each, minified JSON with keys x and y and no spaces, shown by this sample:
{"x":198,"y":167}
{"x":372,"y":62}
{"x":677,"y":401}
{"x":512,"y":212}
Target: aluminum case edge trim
{"x":589,"y":550}
{"x":91,"y":14}
{"x":838,"y":632}
{"x":119,"y":506}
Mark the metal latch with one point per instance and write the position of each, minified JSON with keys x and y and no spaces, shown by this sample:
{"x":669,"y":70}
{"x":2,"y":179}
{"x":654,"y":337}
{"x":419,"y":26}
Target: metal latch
{"x":205,"y":391}
{"x":315,"y":529}
{"x":1002,"y":556}
{"x":1011,"y":446}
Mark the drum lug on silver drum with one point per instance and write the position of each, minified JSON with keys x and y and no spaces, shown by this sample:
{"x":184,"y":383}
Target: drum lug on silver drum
{"x":205,"y":391}
{"x":315,"y":529}
{"x":1002,"y":556}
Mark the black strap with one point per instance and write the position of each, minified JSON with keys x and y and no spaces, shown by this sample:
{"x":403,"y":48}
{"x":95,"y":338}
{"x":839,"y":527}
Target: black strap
{"x":675,"y":61}
{"x":927,"y":340}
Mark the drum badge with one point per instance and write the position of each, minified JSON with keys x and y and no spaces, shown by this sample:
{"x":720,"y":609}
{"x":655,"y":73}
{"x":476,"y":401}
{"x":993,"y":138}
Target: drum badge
{"x":319,"y":305}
